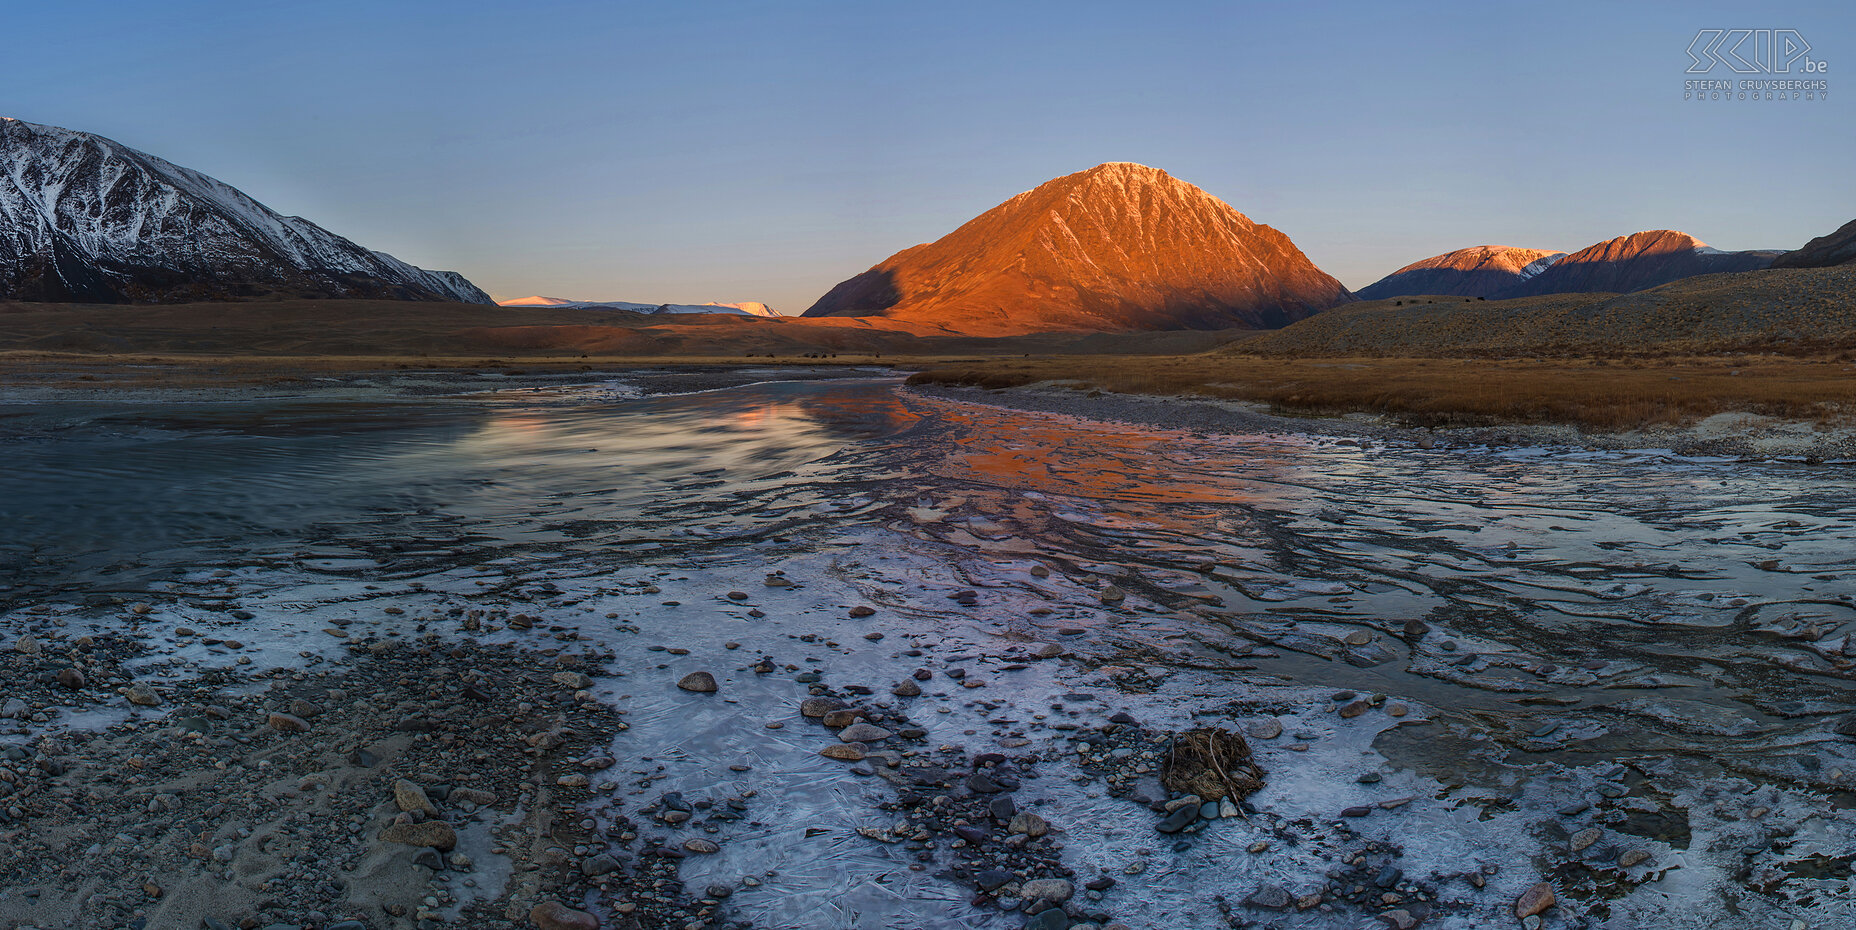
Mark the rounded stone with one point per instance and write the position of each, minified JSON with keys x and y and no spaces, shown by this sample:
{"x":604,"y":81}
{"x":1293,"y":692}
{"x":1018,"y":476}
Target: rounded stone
{"x":699,"y":682}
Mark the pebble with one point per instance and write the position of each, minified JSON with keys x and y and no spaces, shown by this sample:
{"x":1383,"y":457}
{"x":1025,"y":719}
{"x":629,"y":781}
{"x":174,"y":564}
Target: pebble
{"x":906,"y":688}
{"x":287,"y":723}
{"x":1534,"y":900}
{"x":994,"y":879}
{"x":1630,"y":857}
{"x":838,"y":719}
{"x":979,"y":783}
{"x":699,"y":845}
{"x":1179,"y":819}
{"x":1585,"y":838}
{"x":553,"y":915}
{"x":1267,"y":728}
{"x":699,"y":682}
{"x":1002,"y":808}
{"x":1030,"y":825}
{"x":1053,"y":891}
{"x":411,"y":797}
{"x":1049,"y":919}
{"x":863,"y":733}
{"x":819,"y":706}
{"x":573,"y":681}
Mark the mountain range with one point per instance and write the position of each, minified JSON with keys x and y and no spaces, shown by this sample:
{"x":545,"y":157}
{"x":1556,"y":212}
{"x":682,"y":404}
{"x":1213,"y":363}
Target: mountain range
{"x":86,"y":219}
{"x":1120,"y":246}
{"x":1619,"y":266}
{"x":743,"y":308}
{"x":1634,"y":263}
{"x":1478,"y":271}
{"x":1116,"y":248}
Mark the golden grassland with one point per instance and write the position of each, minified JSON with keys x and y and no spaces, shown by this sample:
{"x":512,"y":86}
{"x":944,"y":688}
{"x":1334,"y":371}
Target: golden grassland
{"x":1806,"y":312}
{"x":205,"y":370}
{"x":1780,"y":343}
{"x":1594,"y":393}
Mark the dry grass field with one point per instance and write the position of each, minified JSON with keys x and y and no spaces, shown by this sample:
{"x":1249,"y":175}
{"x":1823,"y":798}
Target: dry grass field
{"x":1595,"y":393}
{"x":1780,"y":343}
{"x":1807,"y":312}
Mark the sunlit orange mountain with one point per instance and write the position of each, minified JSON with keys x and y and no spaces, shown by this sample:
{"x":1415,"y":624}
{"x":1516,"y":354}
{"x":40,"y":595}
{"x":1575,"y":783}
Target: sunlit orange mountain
{"x":1637,"y":262}
{"x":1118,"y":247}
{"x":1478,"y":271}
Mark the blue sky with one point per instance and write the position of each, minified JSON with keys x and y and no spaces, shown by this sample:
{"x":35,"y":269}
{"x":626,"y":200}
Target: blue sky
{"x":766,"y":150}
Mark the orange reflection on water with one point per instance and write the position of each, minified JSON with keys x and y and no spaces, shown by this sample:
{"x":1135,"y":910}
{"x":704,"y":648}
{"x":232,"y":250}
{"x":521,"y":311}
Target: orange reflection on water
{"x":1101,"y":461}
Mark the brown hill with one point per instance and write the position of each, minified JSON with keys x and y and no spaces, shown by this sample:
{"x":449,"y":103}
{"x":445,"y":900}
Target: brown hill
{"x":1838,"y":248}
{"x":1782,"y":310}
{"x":1478,"y":271}
{"x":1117,"y":247}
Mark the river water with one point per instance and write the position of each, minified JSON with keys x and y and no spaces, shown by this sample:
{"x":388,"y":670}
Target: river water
{"x":1654,"y":646}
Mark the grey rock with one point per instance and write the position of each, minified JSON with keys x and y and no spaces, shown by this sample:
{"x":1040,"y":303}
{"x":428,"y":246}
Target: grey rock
{"x":1179,"y":819}
{"x":1049,"y":890}
{"x":699,"y":682}
{"x":863,"y":733}
{"x":1273,"y":897}
{"x":994,"y":879}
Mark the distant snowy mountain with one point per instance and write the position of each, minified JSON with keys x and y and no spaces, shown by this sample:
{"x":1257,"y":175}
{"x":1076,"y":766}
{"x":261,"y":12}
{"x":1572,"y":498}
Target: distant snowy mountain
{"x":1636,"y":262}
{"x":744,"y":308}
{"x":1478,"y":271}
{"x":86,"y":219}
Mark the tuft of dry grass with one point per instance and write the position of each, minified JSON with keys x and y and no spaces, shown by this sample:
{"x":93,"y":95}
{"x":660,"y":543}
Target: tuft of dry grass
{"x":1595,"y":393}
{"x":1213,"y":763}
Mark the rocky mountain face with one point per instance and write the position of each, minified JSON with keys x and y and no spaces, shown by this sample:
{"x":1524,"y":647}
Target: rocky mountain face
{"x":1117,"y":247}
{"x":1837,"y":248}
{"x":85,"y":219}
{"x":1634,"y":263}
{"x":1478,"y":271}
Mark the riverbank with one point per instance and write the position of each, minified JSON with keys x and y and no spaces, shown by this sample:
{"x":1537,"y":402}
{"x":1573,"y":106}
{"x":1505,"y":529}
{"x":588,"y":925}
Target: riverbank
{"x":1774,"y":409}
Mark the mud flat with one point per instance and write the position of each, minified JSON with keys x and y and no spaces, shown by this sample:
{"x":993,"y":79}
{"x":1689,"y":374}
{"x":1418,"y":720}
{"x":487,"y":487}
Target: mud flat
{"x":834,"y":655}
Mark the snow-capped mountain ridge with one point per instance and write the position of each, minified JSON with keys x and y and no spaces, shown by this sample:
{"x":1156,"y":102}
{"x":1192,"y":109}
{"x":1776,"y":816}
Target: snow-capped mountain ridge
{"x":741,"y":308}
{"x":88,"y":219}
{"x":1478,"y":271}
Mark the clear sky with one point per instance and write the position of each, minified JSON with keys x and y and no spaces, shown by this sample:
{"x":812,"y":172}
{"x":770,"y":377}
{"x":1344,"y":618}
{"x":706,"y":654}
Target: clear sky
{"x":697,"y":151}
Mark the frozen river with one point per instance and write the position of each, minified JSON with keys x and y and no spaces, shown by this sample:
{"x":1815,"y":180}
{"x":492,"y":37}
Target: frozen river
{"x":1538,"y":643}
